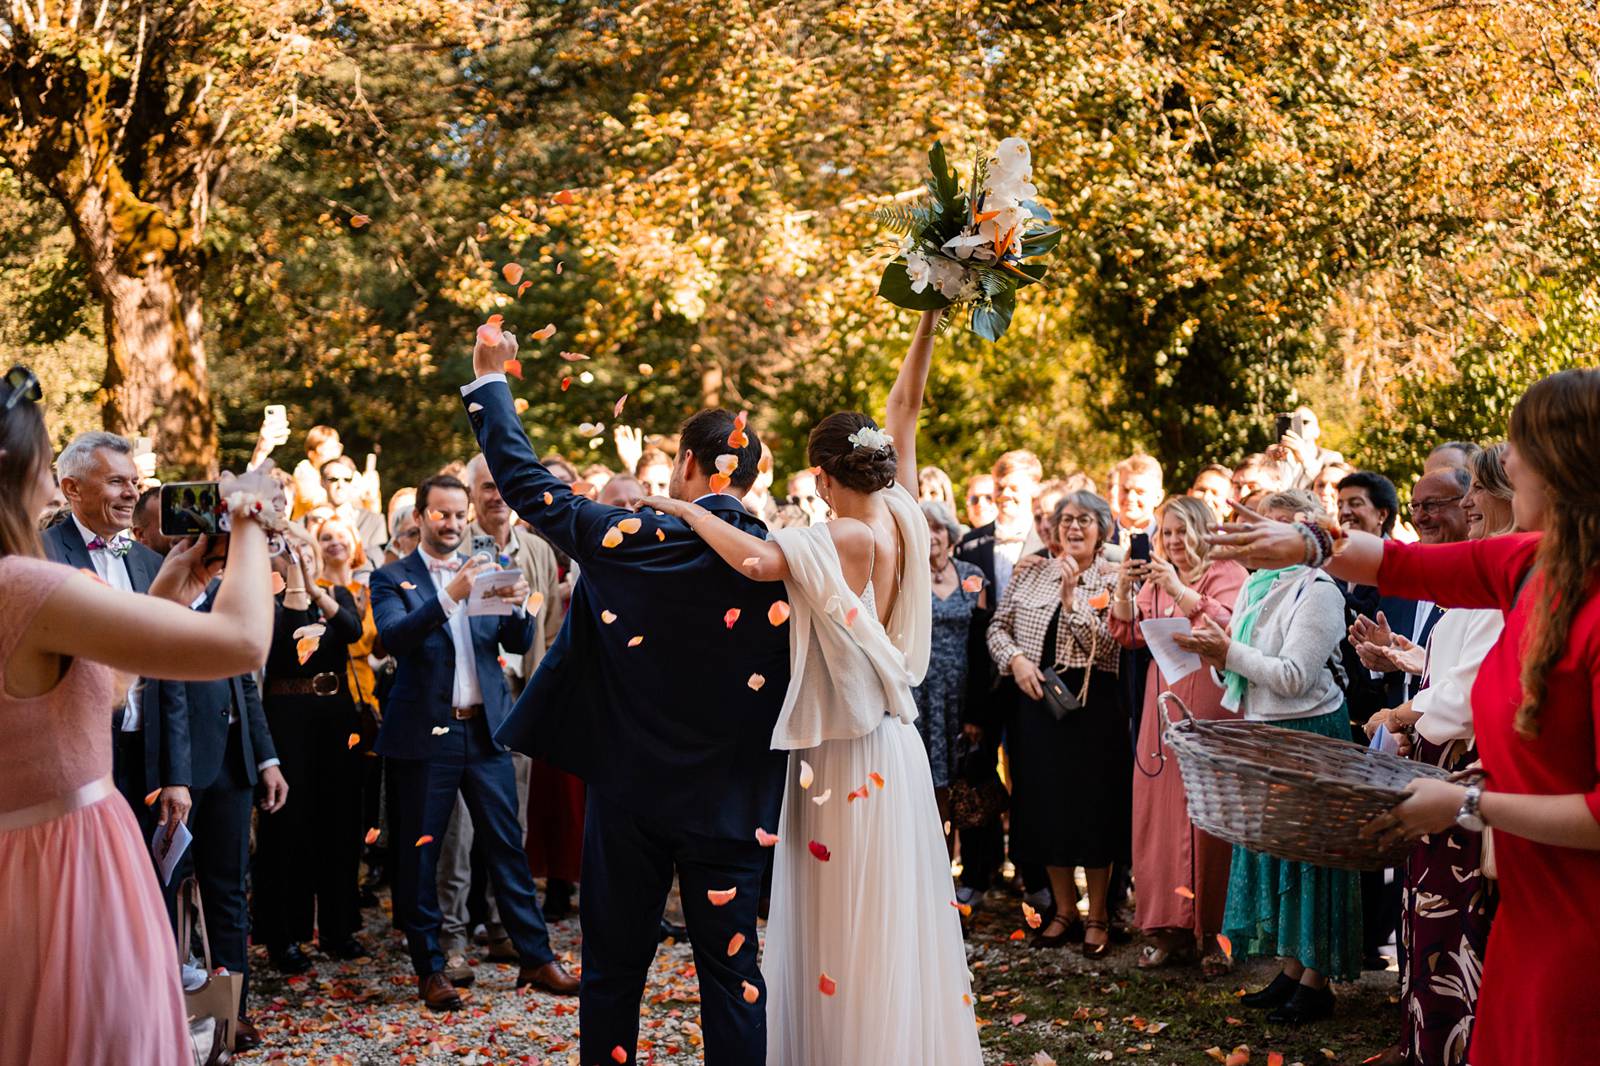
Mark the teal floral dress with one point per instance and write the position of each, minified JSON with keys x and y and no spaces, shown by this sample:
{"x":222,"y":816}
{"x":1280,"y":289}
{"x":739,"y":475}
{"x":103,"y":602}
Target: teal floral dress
{"x":939,"y":697}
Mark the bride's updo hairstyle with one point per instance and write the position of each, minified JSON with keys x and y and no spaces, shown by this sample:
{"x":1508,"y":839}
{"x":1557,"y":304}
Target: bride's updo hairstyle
{"x":24,"y":453}
{"x":864,"y":469}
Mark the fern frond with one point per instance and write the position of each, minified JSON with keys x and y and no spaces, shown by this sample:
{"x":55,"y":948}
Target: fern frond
{"x":904,"y":219}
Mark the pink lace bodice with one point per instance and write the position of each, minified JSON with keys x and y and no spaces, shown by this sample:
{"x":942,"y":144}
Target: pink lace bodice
{"x":58,"y":741}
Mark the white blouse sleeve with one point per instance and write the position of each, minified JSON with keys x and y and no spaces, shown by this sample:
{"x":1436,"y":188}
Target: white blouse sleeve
{"x":1446,"y":704}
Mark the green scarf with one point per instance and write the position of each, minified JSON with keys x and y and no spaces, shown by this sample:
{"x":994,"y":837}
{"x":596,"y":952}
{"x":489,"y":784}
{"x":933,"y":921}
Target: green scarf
{"x":1245,"y":613}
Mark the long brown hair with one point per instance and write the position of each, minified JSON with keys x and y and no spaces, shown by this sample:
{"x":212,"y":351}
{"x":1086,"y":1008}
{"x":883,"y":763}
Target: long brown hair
{"x":1555,"y":428}
{"x":24,"y":452}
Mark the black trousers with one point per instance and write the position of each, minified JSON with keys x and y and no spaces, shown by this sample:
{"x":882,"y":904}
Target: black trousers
{"x":308,"y":854}
{"x":128,"y":772}
{"x":219,"y":859}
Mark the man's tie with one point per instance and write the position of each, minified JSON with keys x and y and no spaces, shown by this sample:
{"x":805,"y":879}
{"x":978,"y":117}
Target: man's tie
{"x":118,"y":545}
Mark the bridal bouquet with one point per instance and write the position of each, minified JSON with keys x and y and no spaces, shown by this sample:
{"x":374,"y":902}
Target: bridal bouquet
{"x":969,"y":248}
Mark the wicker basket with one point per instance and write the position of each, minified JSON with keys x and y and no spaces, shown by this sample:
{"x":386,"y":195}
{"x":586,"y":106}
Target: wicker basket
{"x":1293,"y":795}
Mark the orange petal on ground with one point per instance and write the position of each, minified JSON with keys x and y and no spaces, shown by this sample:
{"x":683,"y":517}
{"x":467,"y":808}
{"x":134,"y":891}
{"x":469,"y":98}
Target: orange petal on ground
{"x":1018,"y":934}
{"x":721,"y":897}
{"x":727,"y":464}
{"x":661,"y":534}
{"x":564,"y":197}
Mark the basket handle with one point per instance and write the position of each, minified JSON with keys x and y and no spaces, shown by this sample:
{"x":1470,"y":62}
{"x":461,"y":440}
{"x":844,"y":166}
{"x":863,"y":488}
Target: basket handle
{"x":1161,"y":701}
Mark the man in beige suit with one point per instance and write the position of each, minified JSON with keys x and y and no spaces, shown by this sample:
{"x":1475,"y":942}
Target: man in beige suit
{"x":529,"y":553}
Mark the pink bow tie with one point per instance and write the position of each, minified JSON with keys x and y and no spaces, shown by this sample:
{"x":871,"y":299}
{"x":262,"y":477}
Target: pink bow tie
{"x":453,"y":563}
{"x":118,"y":545}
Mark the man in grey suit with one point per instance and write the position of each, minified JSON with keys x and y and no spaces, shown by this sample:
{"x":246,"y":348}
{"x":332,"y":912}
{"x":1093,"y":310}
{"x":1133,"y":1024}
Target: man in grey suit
{"x":101,"y":485}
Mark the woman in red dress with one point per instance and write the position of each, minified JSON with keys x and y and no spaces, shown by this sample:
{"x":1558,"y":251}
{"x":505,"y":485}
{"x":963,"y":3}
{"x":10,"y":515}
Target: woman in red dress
{"x":1536,"y":708}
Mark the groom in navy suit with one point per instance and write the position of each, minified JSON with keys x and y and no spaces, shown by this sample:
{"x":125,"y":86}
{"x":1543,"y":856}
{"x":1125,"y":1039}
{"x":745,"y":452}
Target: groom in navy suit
{"x":448,"y":699}
{"x":661,"y":692}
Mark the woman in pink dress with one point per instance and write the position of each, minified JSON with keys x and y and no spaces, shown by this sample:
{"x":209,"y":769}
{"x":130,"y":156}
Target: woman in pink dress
{"x":82,"y":929}
{"x":1182,"y":872}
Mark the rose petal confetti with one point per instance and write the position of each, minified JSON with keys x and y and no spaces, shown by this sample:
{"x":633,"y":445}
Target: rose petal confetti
{"x":738,"y":438}
{"x":560,"y":266}
{"x":519,"y":405}
{"x":1274,"y":1058}
{"x":575,"y":357}
{"x":612,"y":538}
{"x":372,"y":836}
{"x":549,"y":499}
{"x":730,"y":617}
{"x":512,"y":273}
{"x":630,"y":526}
{"x":616,"y":408}
{"x":856,"y":794}
{"x":1225,"y":944}
{"x":806,"y":774}
{"x":425,"y":838}
{"x":514,"y":368}
{"x":819,"y":852}
{"x":564,"y":197}
{"x":820,"y":800}
{"x":1031,"y":916}
{"x":826,"y":985}
{"x":851,"y":615}
{"x":534,"y":603}
{"x":566,"y":383}
{"x":440,"y":730}
{"x":876,"y":778}
{"x":607,"y":617}
{"x":150,"y":800}
{"x":756,"y":682}
{"x":727,"y":464}
{"x":766,"y":839}
{"x":590,"y":429}
{"x":751,"y":992}
{"x":778,"y":613}
{"x":635,"y":642}
{"x":1018,"y":934}
{"x":352,"y":740}
{"x":661,"y":534}
{"x":474,"y":408}
{"x":545,"y":332}
{"x":1100,"y":600}
{"x":618,"y":1055}
{"x":407,"y":585}
{"x":964,"y":908}
{"x":357,"y":221}
{"x":1185,"y":891}
{"x":490,"y":332}
{"x":974,"y":583}
{"x":734,"y":944}
{"x":721,"y":897}
{"x":523,"y":287}
{"x":720,"y":482}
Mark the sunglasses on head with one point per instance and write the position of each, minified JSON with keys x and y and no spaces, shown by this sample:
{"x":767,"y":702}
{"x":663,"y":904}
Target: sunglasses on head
{"x":23,"y":385}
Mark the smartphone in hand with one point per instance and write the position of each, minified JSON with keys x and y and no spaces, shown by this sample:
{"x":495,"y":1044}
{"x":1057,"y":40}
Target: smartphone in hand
{"x":1139,"y":547}
{"x":190,"y":508}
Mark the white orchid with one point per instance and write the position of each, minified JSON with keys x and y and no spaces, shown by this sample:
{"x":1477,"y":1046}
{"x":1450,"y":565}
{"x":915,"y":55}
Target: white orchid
{"x":967,"y":245}
{"x":948,"y":277}
{"x":871,"y":438}
{"x":919,"y":270}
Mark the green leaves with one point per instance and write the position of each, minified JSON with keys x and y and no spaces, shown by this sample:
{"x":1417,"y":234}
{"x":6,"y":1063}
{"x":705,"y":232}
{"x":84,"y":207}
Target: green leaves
{"x":896,"y":288}
{"x":992,"y":317}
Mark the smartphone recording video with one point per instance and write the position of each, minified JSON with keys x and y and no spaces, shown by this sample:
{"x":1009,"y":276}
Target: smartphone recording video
{"x":190,"y":508}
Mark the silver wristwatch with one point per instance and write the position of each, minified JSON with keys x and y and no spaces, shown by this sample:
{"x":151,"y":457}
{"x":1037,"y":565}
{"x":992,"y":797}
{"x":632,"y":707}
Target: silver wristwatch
{"x":1468,"y":817}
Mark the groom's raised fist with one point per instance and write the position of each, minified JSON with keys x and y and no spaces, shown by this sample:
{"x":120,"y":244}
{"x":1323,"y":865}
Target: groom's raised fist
{"x":492,"y":348}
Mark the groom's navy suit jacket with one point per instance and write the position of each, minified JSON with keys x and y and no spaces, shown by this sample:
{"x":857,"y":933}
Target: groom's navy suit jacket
{"x":670,"y":727}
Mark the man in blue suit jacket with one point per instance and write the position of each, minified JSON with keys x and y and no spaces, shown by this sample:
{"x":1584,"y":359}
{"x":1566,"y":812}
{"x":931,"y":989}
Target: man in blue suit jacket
{"x":448,"y":699}
{"x":647,"y":694}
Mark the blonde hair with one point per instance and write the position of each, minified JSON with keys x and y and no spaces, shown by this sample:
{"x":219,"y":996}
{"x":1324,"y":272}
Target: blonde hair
{"x":1197,"y":521}
{"x":358,"y":551}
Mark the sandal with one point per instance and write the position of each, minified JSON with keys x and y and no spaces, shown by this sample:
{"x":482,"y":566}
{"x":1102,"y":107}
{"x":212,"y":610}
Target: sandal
{"x":1155,"y":956}
{"x":1096,"y":951}
{"x":1070,"y":931}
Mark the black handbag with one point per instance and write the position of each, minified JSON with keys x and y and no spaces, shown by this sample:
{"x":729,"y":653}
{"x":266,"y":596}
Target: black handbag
{"x":1058,"y":698}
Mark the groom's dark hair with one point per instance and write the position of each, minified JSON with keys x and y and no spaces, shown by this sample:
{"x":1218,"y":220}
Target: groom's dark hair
{"x":706,"y":435}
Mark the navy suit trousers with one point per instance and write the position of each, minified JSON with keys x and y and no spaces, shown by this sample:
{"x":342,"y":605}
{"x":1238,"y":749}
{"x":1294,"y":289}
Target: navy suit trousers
{"x":628,"y":862}
{"x":422,"y":793}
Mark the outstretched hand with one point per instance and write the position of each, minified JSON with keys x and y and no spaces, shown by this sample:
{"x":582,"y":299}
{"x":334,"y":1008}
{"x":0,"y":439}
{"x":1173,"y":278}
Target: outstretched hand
{"x":669,"y":506}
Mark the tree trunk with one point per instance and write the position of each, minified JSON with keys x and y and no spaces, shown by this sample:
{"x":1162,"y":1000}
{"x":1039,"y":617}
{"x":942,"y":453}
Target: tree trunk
{"x":155,"y":382}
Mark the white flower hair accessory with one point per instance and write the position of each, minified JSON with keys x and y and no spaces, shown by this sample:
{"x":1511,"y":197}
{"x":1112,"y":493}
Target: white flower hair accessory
{"x":871,"y":438}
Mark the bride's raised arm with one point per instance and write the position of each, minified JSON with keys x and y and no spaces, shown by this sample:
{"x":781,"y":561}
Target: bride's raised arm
{"x":905,"y":399}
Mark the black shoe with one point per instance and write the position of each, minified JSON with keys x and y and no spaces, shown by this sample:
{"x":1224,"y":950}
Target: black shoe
{"x":1276,"y":994}
{"x":669,"y":931}
{"x":245,"y":1037}
{"x":347,"y":949}
{"x":1305,"y":1006}
{"x":1375,"y":961}
{"x":1071,"y":933}
{"x":290,"y":960}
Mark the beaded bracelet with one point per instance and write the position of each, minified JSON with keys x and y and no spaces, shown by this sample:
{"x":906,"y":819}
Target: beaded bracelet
{"x":1316,"y":554}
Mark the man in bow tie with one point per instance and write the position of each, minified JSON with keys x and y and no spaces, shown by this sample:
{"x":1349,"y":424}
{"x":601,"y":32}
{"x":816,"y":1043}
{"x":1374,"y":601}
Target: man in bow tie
{"x":449,"y":697}
{"x":101,"y":484}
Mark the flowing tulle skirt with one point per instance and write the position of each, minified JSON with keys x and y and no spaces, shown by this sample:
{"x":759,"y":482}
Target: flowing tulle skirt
{"x":91,"y":958}
{"x":876,"y":918}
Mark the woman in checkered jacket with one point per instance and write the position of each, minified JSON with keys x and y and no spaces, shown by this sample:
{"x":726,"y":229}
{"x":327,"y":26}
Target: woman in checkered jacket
{"x":1071,"y":765}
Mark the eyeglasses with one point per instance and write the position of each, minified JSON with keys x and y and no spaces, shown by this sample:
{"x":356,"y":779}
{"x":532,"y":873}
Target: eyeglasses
{"x":1082,"y":521}
{"x":1434,"y":507}
{"x":24,"y":385}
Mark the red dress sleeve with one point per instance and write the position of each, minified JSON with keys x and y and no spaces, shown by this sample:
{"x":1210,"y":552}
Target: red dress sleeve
{"x":1472,"y":573}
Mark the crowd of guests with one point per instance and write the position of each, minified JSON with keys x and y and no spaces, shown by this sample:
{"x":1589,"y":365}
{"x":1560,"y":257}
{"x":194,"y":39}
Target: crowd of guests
{"x":1041,"y":711}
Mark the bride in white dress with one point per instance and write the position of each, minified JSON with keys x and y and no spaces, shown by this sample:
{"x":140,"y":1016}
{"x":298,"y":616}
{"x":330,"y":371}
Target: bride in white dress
{"x":864,"y":960}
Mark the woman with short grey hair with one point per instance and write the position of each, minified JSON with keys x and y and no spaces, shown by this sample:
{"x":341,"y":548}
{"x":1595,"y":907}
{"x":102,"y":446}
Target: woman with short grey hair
{"x":960,"y":608}
{"x":1067,"y":736}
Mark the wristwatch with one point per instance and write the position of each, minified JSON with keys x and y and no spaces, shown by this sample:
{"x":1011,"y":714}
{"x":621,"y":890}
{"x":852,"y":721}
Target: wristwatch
{"x":1468,"y":817}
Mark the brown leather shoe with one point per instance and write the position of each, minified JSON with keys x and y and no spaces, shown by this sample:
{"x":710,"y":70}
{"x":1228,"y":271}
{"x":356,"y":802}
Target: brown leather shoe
{"x":245,"y":1037}
{"x":438,"y":993}
{"x":552,"y":977}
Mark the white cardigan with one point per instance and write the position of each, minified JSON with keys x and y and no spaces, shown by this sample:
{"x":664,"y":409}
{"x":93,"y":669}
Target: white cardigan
{"x":1456,"y":648}
{"x":847,"y":671}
